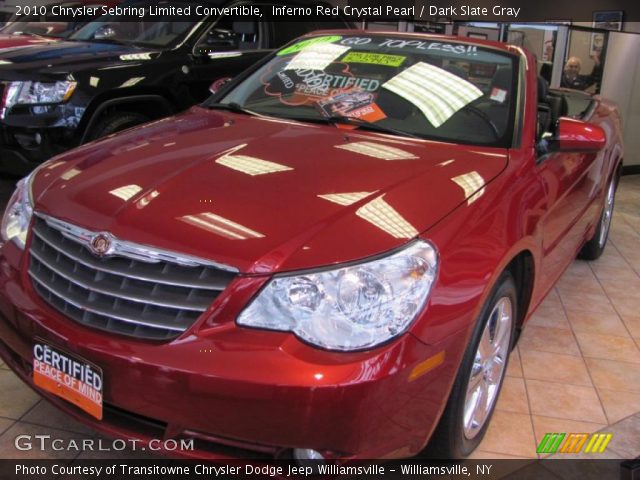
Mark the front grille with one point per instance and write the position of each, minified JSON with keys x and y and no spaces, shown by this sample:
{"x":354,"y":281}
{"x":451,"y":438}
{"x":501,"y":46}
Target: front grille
{"x":146,"y":299}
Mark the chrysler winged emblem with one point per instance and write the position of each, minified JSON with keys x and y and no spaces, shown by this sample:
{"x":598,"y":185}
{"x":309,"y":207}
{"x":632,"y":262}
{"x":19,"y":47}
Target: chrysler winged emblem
{"x":101,"y":244}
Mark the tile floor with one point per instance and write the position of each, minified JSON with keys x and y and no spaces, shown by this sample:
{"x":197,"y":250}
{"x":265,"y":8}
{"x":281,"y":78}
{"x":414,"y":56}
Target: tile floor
{"x":576,"y":368}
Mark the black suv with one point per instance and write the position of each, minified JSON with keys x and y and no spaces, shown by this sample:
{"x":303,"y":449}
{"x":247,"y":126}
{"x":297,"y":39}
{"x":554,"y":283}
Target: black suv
{"x":113,"y":74}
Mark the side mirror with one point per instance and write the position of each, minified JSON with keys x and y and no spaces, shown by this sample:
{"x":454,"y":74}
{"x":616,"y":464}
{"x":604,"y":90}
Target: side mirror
{"x":577,"y":136}
{"x":105,"y":33}
{"x":222,"y":40}
{"x":218,"y":84}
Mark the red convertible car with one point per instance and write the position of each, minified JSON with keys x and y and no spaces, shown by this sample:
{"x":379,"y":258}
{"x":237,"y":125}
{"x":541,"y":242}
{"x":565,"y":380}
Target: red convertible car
{"x":329,"y":259}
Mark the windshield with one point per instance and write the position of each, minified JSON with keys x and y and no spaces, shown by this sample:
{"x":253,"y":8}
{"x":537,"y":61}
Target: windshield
{"x":440,"y":90}
{"x":122,"y":27}
{"x":5,"y":16}
{"x":49,"y":25}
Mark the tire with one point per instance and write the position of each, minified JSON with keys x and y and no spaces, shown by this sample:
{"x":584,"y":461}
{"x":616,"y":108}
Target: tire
{"x":115,"y":122}
{"x":596,"y":244}
{"x":466,"y":416}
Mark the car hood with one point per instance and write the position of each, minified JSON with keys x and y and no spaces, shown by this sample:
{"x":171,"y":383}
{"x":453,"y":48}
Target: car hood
{"x":56,"y":59}
{"x":262,"y":194}
{"x":12,"y":41}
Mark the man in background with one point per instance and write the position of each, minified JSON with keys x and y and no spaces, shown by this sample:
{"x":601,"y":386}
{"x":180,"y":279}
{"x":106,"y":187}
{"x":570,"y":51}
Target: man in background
{"x":571,"y":77}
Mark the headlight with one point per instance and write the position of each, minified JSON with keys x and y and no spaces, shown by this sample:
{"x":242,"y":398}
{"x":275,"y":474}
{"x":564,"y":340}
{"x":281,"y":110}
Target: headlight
{"x":349,"y":308}
{"x":17,"y":216}
{"x":32,"y":93}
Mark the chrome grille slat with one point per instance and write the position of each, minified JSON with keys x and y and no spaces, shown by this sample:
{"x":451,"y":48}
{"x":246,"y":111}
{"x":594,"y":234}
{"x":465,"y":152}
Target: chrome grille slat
{"x":137,"y":270}
{"x":57,"y":266}
{"x":100,"y":311}
{"x":110,"y":293}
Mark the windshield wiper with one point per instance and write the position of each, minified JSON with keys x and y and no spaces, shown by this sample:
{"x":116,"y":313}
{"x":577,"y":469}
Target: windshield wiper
{"x":366,"y":125}
{"x":233,"y":107}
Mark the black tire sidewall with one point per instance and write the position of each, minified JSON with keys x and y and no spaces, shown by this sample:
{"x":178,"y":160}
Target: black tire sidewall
{"x":116,"y":122}
{"x":592,"y":250}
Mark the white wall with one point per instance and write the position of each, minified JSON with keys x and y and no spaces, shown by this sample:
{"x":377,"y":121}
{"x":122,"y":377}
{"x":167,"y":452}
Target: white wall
{"x":631,"y":27}
{"x":621,"y":82}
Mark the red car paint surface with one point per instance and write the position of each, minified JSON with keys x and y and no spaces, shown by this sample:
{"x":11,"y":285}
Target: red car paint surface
{"x":47,"y":31}
{"x":269,"y":391}
{"x":11,"y":41}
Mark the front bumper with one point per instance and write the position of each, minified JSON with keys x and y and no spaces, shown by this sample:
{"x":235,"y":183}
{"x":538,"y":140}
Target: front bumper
{"x":238,"y":392}
{"x":23,"y":149}
{"x":29,"y":137}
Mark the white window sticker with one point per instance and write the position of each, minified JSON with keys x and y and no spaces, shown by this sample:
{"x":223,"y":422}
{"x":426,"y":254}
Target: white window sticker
{"x":437,"y":93}
{"x":498,"y":95}
{"x":316,"y":57}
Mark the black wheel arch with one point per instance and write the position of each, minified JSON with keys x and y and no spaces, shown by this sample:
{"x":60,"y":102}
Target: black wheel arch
{"x":156,"y":105}
{"x":522,"y":268}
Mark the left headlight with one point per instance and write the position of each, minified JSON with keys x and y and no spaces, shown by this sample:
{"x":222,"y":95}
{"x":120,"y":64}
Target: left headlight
{"x":34,"y":93}
{"x":349,"y":308}
{"x":17,"y":216}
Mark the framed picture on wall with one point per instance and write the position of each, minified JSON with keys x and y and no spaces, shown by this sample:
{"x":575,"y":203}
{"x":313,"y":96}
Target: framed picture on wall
{"x":608,"y":20}
{"x":597,"y":42}
{"x":481,"y":36}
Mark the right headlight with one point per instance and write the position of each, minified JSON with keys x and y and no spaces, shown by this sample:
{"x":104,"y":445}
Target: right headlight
{"x":34,"y":93}
{"x":17,"y":216}
{"x":349,"y":308}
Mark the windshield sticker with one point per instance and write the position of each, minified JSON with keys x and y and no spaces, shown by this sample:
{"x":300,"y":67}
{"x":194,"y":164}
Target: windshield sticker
{"x":286,"y":80}
{"x":322,"y":84}
{"x":420,"y":45}
{"x":316,"y":57}
{"x":343,"y":103}
{"x":457,"y":49}
{"x":437,"y":93}
{"x":374,"y":58}
{"x":370,"y":113}
{"x":325,"y":85}
{"x":296,"y":47}
{"x":499,"y":95}
{"x":305,"y":86}
{"x":355,"y":104}
{"x":356,"y":41}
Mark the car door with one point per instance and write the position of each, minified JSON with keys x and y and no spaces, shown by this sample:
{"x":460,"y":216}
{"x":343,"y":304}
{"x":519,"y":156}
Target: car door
{"x":571,"y":182}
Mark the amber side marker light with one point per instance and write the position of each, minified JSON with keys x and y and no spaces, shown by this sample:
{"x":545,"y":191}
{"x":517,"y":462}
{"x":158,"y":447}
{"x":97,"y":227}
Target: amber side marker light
{"x":426,"y":366}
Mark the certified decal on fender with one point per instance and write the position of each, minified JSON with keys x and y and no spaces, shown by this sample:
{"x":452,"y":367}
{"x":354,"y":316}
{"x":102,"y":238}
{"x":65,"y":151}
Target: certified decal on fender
{"x":68,"y":377}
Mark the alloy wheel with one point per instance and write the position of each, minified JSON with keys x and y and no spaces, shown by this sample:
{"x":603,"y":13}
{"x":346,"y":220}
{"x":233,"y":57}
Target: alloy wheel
{"x":488,"y":367}
{"x":607,"y":213}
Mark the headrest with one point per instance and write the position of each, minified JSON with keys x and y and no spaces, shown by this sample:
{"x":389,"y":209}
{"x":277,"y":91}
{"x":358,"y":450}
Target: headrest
{"x":502,"y":79}
{"x":456,"y":70}
{"x":543,"y":89}
{"x":545,"y":71}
